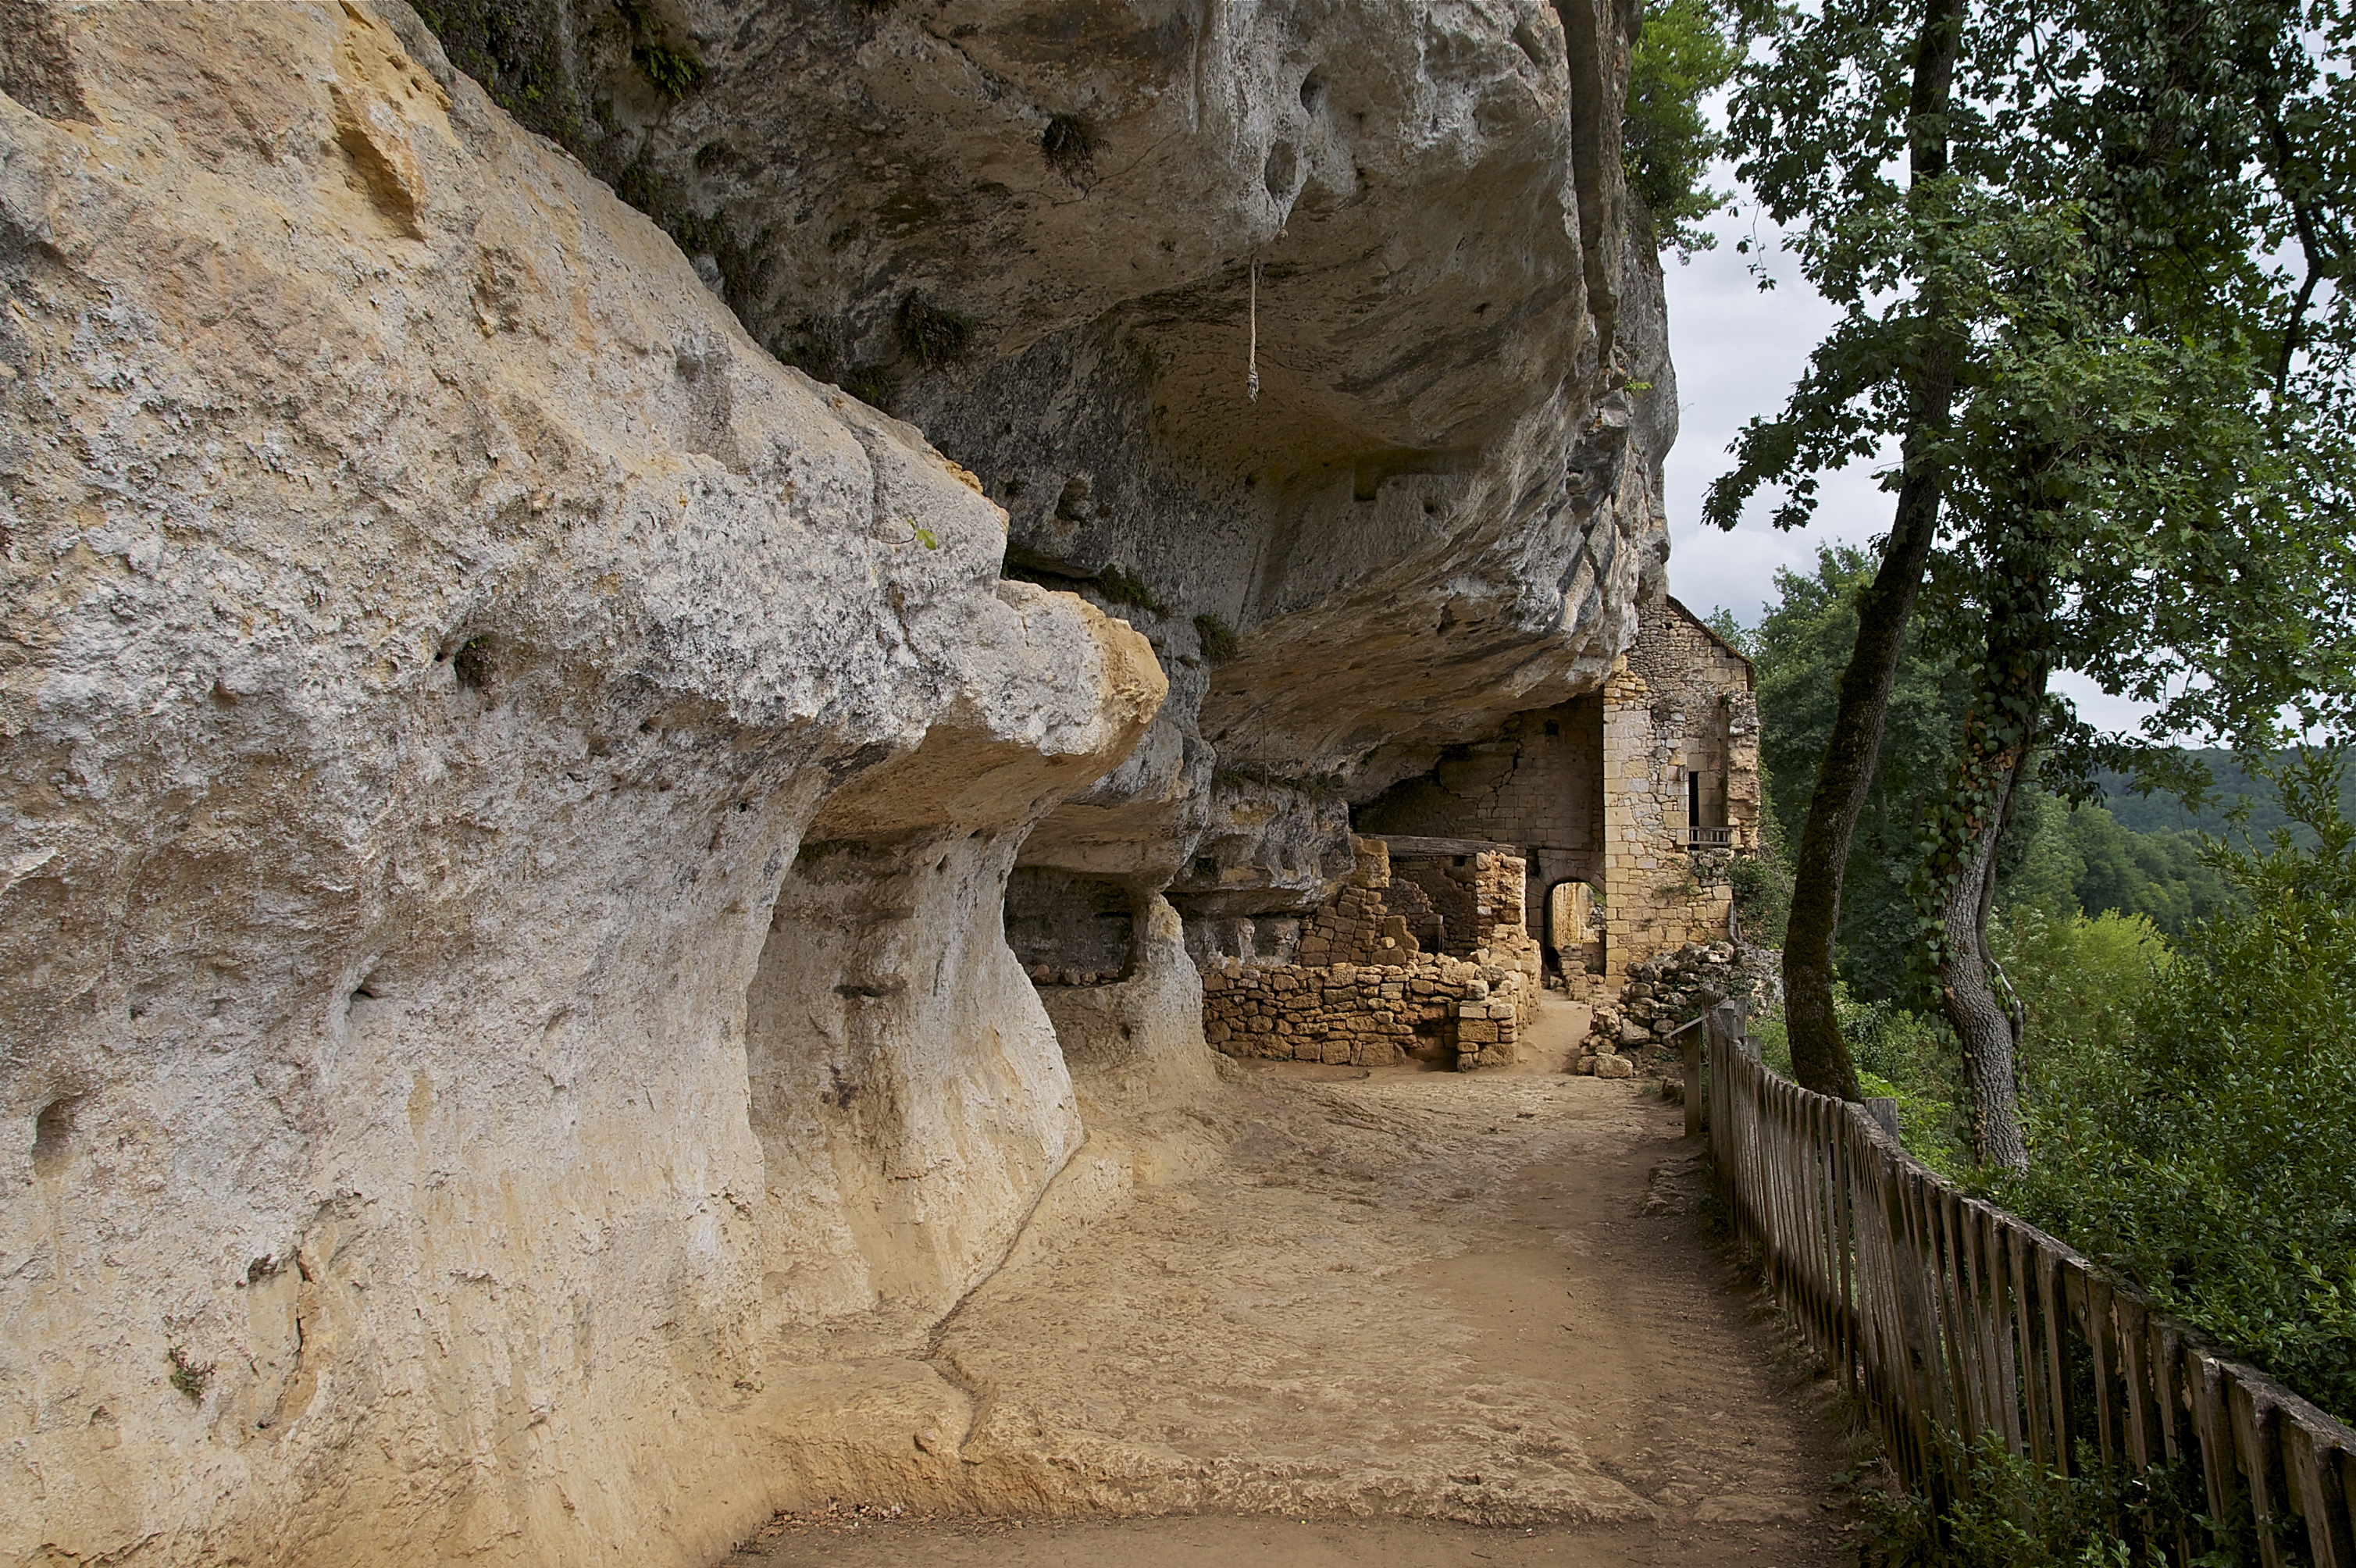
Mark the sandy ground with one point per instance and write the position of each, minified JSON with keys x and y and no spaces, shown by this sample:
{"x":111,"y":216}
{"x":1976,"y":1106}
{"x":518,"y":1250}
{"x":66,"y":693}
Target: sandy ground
{"x":1405,"y":1318}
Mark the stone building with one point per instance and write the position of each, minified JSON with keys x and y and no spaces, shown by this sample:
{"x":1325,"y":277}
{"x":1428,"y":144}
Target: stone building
{"x":1626,"y":805}
{"x":1580,"y":839}
{"x":1363,"y":989}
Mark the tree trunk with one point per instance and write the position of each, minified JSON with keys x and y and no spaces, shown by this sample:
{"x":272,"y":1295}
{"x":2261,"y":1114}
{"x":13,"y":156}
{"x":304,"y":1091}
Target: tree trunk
{"x":1989,"y":1027}
{"x":1982,"y":789}
{"x":1820,"y":1058}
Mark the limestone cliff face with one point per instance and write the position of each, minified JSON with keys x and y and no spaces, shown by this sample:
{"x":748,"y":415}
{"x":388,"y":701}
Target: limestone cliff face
{"x":1032,"y":228}
{"x":510,"y":788}
{"x":509,"y":794}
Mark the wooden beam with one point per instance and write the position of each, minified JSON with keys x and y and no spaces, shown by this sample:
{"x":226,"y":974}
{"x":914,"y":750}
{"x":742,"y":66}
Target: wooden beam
{"x":1403,"y":846}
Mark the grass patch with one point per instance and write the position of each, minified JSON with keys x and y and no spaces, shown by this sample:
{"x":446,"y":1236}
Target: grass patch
{"x":668,"y":71}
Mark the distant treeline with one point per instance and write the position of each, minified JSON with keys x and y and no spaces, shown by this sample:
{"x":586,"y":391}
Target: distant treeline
{"x":2130,"y":853}
{"x":2234,"y":788}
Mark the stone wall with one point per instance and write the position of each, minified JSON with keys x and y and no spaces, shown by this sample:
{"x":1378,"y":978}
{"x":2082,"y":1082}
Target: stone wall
{"x":1431,"y":1006}
{"x":1537,"y":785}
{"x":1680,"y":702}
{"x":1638,"y":1027}
{"x":1355,"y":925}
{"x":1597,"y":791}
{"x":1364,"y":992}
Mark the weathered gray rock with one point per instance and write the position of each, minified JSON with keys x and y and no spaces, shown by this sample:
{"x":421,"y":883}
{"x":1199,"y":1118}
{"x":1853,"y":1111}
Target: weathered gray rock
{"x":509,"y":790}
{"x":1032,"y":227}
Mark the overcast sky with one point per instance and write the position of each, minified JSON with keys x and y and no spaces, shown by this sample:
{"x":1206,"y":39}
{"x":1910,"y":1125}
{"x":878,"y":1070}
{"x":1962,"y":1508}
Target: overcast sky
{"x":1738,"y":351}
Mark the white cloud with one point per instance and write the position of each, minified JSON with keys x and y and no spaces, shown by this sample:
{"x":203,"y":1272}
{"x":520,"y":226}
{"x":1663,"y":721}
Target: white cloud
{"x":1738,"y":352}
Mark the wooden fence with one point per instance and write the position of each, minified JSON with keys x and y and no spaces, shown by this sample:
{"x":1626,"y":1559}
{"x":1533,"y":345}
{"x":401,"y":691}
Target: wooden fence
{"x":1945,"y":1315}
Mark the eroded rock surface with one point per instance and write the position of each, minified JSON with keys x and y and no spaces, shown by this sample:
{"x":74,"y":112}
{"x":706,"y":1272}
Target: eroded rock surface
{"x":1032,"y":229}
{"x":507,"y":1035}
{"x":509,"y":792}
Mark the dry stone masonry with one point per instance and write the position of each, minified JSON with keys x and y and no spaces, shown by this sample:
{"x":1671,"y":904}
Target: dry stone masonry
{"x":1669,"y":991}
{"x":1680,"y":786}
{"x":1627,"y":805}
{"x":1365,"y":993}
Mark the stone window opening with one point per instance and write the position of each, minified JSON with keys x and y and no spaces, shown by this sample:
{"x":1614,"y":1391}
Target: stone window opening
{"x":1705,"y":820}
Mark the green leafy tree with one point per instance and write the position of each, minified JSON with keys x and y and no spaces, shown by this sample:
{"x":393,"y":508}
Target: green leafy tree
{"x":2055,"y":856}
{"x":1682,"y":55}
{"x":1802,"y":645}
{"x":2209,"y":1152}
{"x":2057,"y":316}
{"x":1845,"y":98}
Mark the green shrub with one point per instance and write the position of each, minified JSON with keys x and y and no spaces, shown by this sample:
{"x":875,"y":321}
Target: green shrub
{"x":1124,"y":587}
{"x":1903,"y":1056}
{"x":2010,"y":1512}
{"x":1763,"y":892}
{"x":670,"y":73}
{"x":2079,"y":978}
{"x":2209,"y":1155}
{"x":1219,"y":638}
{"x":1911,"y":1057}
{"x":1682,"y":55}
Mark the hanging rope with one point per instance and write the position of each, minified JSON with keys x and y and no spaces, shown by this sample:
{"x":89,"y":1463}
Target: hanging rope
{"x":1251,"y":371}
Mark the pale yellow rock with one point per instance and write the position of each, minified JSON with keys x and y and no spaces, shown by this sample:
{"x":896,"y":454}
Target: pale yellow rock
{"x":508,"y":795}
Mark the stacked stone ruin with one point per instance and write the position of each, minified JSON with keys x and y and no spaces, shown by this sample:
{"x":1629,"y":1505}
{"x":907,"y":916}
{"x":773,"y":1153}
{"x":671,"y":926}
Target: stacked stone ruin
{"x":1670,"y":990}
{"x":1365,"y":993}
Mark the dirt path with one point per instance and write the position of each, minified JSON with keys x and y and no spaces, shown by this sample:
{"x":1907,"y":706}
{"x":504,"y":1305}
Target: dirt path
{"x":1408,"y":1317}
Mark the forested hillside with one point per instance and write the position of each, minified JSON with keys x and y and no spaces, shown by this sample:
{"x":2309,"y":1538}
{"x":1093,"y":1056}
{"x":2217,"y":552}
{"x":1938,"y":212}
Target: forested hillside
{"x":2188,"y":990}
{"x":2238,"y":802}
{"x":2117,"y":852}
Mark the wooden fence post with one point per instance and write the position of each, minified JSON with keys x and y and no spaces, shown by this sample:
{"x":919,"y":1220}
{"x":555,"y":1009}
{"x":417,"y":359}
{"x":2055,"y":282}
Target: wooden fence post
{"x":1693,"y":1083}
{"x":1953,"y":1317}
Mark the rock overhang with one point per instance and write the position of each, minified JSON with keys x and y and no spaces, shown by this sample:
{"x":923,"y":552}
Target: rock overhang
{"x":494,"y":742}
